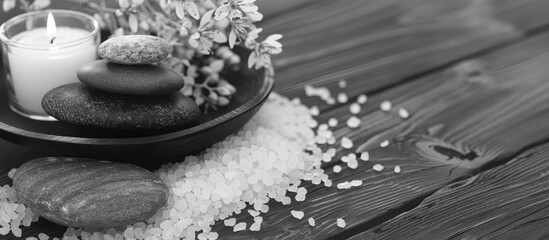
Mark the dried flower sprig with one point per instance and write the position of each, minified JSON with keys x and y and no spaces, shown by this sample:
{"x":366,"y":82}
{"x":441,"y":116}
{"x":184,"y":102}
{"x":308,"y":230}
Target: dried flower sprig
{"x":202,"y":34}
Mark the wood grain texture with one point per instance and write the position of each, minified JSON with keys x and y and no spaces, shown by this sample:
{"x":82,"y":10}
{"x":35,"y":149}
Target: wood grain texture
{"x":374,"y":44}
{"x":507,"y":202}
{"x":378,"y":44}
{"x":481,"y":111}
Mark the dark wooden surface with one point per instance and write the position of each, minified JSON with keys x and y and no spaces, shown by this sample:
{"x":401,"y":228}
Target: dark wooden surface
{"x":475,"y":76}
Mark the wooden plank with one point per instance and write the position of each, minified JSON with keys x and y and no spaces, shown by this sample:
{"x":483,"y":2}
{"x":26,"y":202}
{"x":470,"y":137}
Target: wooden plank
{"x":482,"y":111}
{"x":507,"y":202}
{"x":374,"y":44}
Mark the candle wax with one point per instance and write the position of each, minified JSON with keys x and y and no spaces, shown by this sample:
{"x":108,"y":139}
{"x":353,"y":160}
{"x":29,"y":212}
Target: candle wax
{"x":36,"y":71}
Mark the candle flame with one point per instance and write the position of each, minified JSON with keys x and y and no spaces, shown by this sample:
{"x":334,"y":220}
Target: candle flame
{"x":51,"y":29}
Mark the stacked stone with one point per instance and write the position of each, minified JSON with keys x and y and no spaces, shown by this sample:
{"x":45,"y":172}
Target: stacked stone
{"x":125,"y":90}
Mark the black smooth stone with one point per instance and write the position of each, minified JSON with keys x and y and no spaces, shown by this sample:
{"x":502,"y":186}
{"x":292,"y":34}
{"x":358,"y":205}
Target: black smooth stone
{"x":79,"y":104}
{"x":89,"y":193}
{"x":146,"y":80}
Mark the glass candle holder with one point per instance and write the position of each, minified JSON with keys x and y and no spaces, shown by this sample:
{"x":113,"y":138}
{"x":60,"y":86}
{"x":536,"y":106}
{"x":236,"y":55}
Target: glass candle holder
{"x":37,"y":58}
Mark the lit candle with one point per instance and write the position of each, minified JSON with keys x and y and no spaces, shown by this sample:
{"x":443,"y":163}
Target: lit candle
{"x":43,"y":58}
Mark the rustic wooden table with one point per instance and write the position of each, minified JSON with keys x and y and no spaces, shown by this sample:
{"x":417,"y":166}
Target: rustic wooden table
{"x":475,"y":76}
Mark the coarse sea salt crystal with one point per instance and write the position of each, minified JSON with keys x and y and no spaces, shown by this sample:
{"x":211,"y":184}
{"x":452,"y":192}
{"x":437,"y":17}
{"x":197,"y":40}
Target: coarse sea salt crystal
{"x":342,"y":83}
{"x":355,"y":183}
{"x":253,"y":213}
{"x":386,"y":106}
{"x":384,"y":143}
{"x":341,"y":223}
{"x":43,"y":236}
{"x":342,"y":98}
{"x":397,"y":169}
{"x":352,"y":164}
{"x":337,"y":169}
{"x":311,"y":221}
{"x":230,"y":222}
{"x":365,"y":156}
{"x":353,"y":122}
{"x":343,"y":185}
{"x":403,"y":113}
{"x":314,"y":111}
{"x":362,"y":99}
{"x":346,"y":143}
{"x":332,"y":122}
{"x":297,"y":214}
{"x":239,"y":227}
{"x":378,"y":167}
{"x":354,"y":108}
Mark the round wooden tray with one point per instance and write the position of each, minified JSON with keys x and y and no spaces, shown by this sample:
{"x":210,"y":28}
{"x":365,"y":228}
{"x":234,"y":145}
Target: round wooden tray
{"x":145,"y":148}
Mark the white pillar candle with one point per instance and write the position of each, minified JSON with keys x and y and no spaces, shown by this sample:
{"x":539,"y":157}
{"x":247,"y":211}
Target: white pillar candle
{"x":42,"y":58}
{"x":35,"y":72}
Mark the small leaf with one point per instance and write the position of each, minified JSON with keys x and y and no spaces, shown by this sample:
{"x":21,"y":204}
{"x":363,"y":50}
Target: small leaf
{"x":274,"y":37}
{"x":222,"y":12}
{"x":252,"y":59}
{"x":8,"y":5}
{"x":192,"y":9}
{"x":41,"y":4}
{"x":179,"y":10}
{"x":213,"y":96}
{"x":223,"y":91}
{"x":124,"y":3}
{"x":223,"y":101}
{"x":217,"y":65}
{"x":193,"y":40}
{"x":134,"y":23}
{"x":249,"y":8}
{"x":206,"y":19}
{"x":136,"y":3}
{"x":232,"y":38}
{"x":219,"y":37}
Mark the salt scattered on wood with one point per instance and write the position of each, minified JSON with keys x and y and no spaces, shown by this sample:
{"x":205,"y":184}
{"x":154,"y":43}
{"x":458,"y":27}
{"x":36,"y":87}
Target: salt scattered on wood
{"x":311,"y":221}
{"x":378,"y":167}
{"x":365,"y":156}
{"x":239,"y":227}
{"x":216,"y":184}
{"x":297,"y":214}
{"x":342,"y":83}
{"x":346,"y":143}
{"x":253,"y":213}
{"x":331,"y":151}
{"x":43,"y":236}
{"x":397,"y":169}
{"x":384,"y":143}
{"x":301,"y":194}
{"x":362,"y":99}
{"x":354,"y":108}
{"x":386,"y":106}
{"x":314,"y":111}
{"x":355,"y":183}
{"x":353,"y":122}
{"x":332,"y":122}
{"x":230,"y":222}
{"x":341,"y":223}
{"x":403,"y":113}
{"x":337,"y":169}
{"x":352,"y":164}
{"x":342,"y":98}
{"x":321,"y":92}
